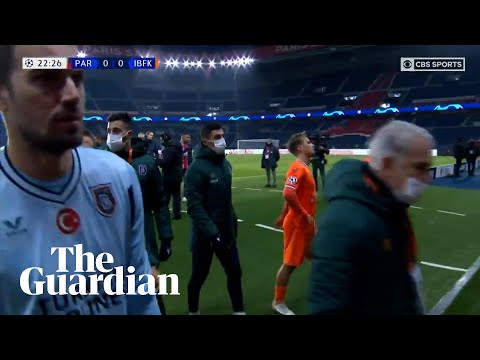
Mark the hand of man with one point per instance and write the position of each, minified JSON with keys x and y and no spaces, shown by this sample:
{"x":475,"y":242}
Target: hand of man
{"x":156,"y":274}
{"x":279,"y":222}
{"x":310,"y":219}
{"x":216,"y":241}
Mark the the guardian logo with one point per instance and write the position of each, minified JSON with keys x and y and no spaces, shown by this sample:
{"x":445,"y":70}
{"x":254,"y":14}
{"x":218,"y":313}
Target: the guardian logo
{"x":432,"y":64}
{"x":93,"y":276}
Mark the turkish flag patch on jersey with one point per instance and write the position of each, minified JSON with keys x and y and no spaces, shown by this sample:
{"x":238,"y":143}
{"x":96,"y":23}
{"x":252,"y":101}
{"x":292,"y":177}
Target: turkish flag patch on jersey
{"x":68,"y":221}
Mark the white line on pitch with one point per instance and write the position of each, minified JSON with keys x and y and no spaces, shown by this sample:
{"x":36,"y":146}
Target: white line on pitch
{"x":234,"y":187}
{"x":276,"y":190}
{"x":452,"y":213}
{"x":443,"y":266}
{"x":440,"y":211}
{"x":247,"y":177}
{"x":268,"y":227}
{"x":448,"y":299}
{"x":253,"y":189}
{"x":185,"y":211}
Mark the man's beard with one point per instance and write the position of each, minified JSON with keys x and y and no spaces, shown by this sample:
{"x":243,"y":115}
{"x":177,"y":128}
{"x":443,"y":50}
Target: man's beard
{"x":53,"y":145}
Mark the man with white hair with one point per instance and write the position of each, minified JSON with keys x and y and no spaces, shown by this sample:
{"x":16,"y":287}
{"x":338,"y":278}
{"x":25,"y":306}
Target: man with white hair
{"x":364,"y":256}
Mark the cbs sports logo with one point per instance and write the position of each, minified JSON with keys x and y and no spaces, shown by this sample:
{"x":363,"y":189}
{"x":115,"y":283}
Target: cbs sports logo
{"x":432,"y":64}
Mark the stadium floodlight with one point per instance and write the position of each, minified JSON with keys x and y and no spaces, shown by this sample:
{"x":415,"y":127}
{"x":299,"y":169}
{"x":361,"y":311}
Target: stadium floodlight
{"x":81,"y":54}
{"x":211,"y":63}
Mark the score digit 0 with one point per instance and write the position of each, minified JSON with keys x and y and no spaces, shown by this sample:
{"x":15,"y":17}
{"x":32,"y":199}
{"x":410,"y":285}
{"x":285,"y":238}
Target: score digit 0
{"x":120,"y":64}
{"x":105,"y":63}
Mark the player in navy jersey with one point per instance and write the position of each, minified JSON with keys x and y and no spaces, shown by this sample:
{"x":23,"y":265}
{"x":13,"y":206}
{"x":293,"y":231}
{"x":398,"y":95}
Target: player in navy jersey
{"x":54,"y":194}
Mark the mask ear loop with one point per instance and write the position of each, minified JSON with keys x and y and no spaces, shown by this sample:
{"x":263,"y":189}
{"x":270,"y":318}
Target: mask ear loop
{"x":130,"y":155}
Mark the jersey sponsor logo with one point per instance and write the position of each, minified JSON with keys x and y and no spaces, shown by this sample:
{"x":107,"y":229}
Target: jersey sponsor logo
{"x":68,"y":221}
{"x":78,"y":304}
{"x":142,"y":169}
{"x":14,"y":227}
{"x":104,"y":199}
{"x":292,"y":180}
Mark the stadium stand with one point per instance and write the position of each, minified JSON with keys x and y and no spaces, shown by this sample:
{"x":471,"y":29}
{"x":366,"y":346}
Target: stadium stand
{"x":319,"y":81}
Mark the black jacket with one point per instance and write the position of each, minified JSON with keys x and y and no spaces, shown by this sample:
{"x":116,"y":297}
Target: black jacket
{"x":153,"y":148}
{"x":208,"y":189}
{"x":459,"y":150}
{"x":270,"y":157}
{"x":471,"y":152}
{"x":171,"y":163}
{"x":320,"y":151}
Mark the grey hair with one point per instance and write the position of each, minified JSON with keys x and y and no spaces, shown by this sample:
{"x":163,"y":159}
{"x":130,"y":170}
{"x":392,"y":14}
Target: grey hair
{"x":394,"y":139}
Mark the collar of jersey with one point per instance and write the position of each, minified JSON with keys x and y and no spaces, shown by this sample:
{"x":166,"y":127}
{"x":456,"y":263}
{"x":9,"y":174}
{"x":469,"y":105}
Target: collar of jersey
{"x":302,"y":162}
{"x":38,"y":191}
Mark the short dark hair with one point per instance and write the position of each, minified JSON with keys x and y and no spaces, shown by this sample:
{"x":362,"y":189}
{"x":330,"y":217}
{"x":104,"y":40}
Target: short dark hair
{"x":294,"y":141}
{"x":208,"y":128}
{"x":7,"y":62}
{"x":88,"y":133}
{"x":122,"y":116}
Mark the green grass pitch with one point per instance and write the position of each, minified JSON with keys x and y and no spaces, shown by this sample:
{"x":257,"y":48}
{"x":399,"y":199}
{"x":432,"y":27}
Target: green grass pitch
{"x":445,"y":239}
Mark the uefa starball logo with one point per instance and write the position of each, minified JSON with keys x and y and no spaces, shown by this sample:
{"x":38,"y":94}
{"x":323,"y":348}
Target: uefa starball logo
{"x":93,"y":277}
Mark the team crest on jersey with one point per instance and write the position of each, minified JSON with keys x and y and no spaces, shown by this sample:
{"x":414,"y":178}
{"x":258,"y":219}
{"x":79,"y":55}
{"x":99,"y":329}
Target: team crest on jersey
{"x":292,"y":180}
{"x":142,"y":169}
{"x":104,"y":199}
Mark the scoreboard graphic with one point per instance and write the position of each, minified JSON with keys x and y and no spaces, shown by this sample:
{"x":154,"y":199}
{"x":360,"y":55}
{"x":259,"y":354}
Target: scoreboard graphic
{"x":90,"y":63}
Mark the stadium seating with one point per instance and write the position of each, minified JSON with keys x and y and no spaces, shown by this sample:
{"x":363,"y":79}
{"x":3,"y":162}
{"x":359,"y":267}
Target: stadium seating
{"x":296,"y":84}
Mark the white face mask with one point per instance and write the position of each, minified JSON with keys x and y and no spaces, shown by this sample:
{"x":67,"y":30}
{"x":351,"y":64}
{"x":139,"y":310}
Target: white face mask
{"x":115,"y":142}
{"x":219,"y":146}
{"x":412,"y":190}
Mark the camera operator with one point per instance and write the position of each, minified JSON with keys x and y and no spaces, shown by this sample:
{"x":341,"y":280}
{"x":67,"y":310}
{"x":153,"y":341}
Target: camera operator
{"x":319,"y":160}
